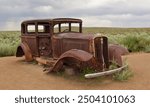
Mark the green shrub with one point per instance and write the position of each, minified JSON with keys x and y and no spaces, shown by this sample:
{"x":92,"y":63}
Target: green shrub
{"x":87,"y":70}
{"x":7,"y":50}
{"x":123,"y":75}
{"x":135,"y":39}
{"x":147,"y":48}
{"x":113,"y":65}
{"x":135,"y":43}
{"x":8,"y":43}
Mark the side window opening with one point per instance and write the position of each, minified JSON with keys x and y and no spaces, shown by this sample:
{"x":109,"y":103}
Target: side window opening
{"x":56,"y":29}
{"x":64,"y":27}
{"x":75,"y":27}
{"x":67,"y":27}
{"x":31,"y":28}
{"x":40,"y":29}
{"x":43,"y":28}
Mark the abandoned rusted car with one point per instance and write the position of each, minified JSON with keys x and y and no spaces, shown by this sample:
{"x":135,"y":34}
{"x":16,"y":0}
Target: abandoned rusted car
{"x":60,"y":41}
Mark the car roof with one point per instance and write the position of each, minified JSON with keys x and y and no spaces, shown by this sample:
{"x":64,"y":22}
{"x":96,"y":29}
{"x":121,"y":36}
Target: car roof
{"x":55,"y":20}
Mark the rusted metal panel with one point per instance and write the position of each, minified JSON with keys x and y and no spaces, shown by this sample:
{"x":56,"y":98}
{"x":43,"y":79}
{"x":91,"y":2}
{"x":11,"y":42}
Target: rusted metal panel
{"x":44,"y":46}
{"x":77,"y":58}
{"x":101,"y":51}
{"x":32,"y":43}
{"x":75,"y":36}
{"x":54,"y":21}
{"x":56,"y":47}
{"x":105,"y":51}
{"x":66,"y":20}
{"x":115,"y":53}
{"x":79,"y":54}
{"x":24,"y":49}
{"x":75,"y":44}
{"x":66,"y":41}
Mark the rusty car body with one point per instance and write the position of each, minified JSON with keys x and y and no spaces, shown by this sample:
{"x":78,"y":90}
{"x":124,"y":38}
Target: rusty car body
{"x":60,"y":41}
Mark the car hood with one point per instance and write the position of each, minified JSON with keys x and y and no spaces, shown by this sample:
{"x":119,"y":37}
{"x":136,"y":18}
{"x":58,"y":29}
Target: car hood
{"x":76,"y":36}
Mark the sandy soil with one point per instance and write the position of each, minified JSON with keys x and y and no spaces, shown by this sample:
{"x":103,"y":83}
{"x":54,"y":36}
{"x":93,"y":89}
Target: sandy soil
{"x":17,"y":74}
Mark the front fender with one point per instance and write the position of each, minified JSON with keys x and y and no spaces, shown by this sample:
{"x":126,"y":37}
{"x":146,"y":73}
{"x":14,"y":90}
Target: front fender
{"x":23,"y":49}
{"x":115,"y":53}
{"x":74,"y":56}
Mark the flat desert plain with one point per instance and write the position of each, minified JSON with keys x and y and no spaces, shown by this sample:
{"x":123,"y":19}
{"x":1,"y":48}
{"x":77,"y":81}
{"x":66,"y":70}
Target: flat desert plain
{"x":18,"y":74}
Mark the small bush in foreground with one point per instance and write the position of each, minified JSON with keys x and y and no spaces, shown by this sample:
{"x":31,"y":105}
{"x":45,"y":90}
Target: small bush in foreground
{"x":87,"y":70}
{"x":113,"y":65}
{"x":123,"y":75}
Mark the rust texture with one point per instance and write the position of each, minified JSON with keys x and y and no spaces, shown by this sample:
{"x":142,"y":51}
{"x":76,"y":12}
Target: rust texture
{"x":115,"y":53}
{"x":61,"y":41}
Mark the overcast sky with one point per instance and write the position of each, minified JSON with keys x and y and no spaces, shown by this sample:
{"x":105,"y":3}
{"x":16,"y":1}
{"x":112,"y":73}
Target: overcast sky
{"x":98,"y":13}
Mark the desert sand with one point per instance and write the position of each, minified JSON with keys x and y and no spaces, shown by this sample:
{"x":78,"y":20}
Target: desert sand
{"x":16,"y":74}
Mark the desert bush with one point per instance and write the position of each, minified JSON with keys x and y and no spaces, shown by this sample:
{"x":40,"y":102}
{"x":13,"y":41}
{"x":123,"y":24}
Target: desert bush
{"x":135,"y":43}
{"x":8,"y":43}
{"x":87,"y":70}
{"x":147,"y":49}
{"x":135,"y":39}
{"x":123,"y":75}
{"x":7,"y":50}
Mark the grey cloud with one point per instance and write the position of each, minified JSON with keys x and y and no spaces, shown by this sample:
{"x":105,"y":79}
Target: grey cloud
{"x":114,"y":12}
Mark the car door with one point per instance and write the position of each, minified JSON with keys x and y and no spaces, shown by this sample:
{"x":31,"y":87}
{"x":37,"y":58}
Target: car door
{"x":44,"y":39}
{"x":29,"y":37}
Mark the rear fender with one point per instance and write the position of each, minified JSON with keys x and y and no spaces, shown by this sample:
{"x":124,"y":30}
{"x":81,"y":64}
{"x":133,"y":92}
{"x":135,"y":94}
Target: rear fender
{"x":23,"y":49}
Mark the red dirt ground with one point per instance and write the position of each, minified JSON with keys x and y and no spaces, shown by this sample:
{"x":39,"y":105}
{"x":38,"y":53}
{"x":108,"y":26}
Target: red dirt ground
{"x":17,"y":74}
